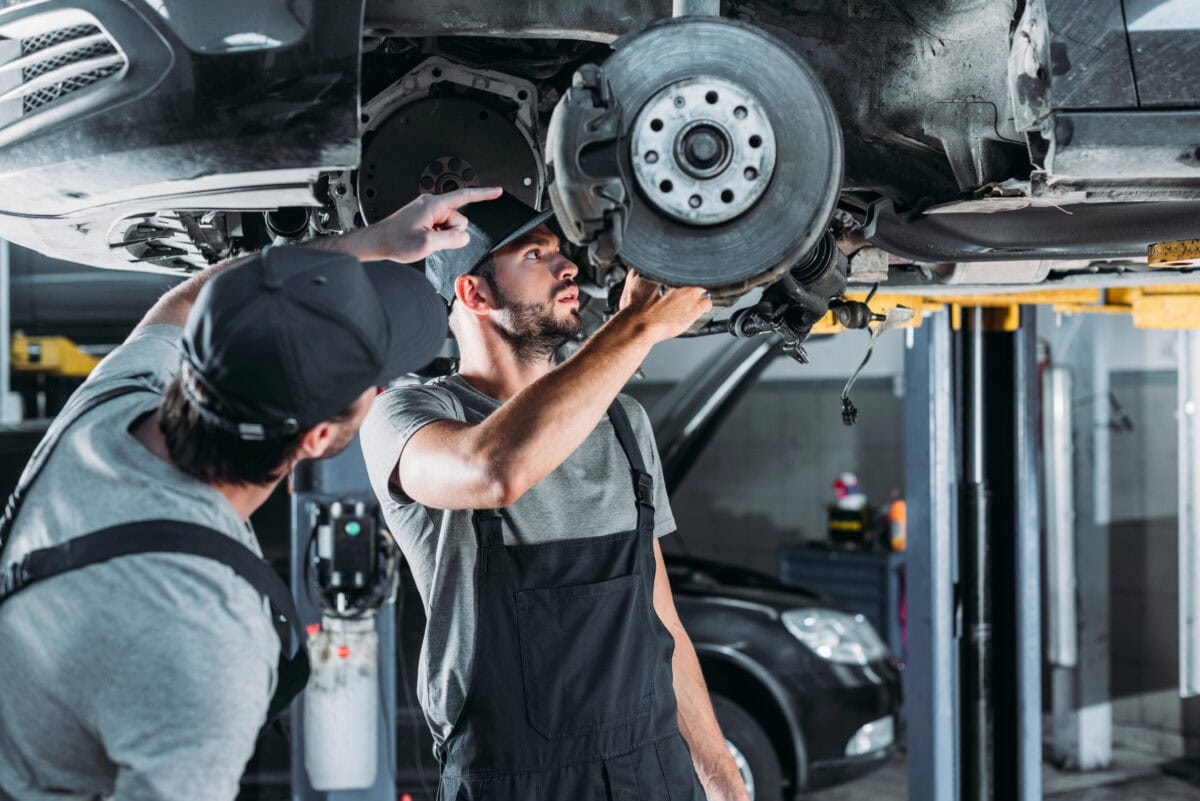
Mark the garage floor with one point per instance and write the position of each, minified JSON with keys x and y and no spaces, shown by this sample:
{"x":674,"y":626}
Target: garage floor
{"x":1134,"y":777}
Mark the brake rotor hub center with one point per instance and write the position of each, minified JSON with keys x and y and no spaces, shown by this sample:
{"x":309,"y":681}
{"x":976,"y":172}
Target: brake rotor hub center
{"x":703,"y":150}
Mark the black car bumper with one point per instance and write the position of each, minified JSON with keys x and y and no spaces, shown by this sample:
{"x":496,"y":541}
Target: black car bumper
{"x":836,"y":771}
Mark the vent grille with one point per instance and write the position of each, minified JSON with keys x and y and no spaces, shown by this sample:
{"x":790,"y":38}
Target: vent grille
{"x":42,"y":97}
{"x":53,"y":64}
{"x":42,"y":41}
{"x":63,"y":59}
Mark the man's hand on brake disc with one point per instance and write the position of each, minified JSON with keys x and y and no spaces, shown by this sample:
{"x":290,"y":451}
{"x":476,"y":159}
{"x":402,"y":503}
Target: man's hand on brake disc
{"x":665,"y":312}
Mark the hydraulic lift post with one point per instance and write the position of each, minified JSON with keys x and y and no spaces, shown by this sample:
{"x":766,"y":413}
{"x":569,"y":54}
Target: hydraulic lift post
{"x":974,"y":704}
{"x":975,"y":567}
{"x":931,"y":675}
{"x":1002,"y":567}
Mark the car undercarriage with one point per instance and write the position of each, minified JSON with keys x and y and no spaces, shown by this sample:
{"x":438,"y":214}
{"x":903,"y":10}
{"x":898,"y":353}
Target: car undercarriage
{"x":801,"y":146}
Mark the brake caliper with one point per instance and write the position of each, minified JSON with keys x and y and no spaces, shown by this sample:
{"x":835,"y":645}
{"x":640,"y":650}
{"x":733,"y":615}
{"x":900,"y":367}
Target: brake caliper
{"x":586,"y":190}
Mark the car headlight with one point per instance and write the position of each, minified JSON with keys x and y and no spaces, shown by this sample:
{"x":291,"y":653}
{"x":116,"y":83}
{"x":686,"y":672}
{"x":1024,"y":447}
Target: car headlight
{"x":836,"y":636}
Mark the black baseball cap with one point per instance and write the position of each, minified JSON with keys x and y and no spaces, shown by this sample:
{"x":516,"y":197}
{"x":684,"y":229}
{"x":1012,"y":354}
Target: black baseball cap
{"x":493,"y":224}
{"x":293,"y":335}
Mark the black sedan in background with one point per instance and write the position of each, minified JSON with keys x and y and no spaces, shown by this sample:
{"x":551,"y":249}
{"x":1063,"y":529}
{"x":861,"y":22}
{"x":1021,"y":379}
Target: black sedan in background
{"x":806,"y":694}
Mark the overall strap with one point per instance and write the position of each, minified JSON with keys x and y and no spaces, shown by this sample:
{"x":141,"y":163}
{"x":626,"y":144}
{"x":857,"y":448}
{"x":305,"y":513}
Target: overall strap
{"x":70,"y":413}
{"x":488,"y":521}
{"x":176,"y":536}
{"x":643,"y":482}
{"x":487,"y":527}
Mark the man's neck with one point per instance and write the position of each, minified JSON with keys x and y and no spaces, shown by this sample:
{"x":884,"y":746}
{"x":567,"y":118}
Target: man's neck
{"x":491,"y":366}
{"x":244,"y":498}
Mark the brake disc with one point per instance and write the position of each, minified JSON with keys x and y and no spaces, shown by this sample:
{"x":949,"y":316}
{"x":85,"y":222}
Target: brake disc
{"x":724,"y":143}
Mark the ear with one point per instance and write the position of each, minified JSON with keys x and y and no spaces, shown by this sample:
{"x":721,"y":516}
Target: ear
{"x":474,"y":293}
{"x":316,"y":441}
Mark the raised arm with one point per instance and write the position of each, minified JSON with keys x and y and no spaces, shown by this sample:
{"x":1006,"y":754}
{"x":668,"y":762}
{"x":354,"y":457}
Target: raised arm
{"x":453,"y":465}
{"x":429,"y":223}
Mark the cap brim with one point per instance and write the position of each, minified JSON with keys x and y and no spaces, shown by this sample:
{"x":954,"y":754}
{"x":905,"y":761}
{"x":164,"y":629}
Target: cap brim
{"x":416,"y":317}
{"x":524,"y":228}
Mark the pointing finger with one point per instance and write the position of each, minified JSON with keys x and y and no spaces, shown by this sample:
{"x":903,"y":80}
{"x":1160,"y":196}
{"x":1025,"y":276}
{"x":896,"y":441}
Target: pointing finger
{"x":461,"y":197}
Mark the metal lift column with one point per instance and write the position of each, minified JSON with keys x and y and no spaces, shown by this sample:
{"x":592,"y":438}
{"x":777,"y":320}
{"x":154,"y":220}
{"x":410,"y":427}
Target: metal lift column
{"x":999,"y":564}
{"x":931,"y":673}
{"x":1011,"y":468}
{"x":975,"y":567}
{"x":982,"y":735}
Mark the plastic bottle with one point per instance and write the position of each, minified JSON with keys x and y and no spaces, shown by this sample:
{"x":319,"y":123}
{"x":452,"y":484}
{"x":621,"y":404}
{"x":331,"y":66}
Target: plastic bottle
{"x":897,"y":524}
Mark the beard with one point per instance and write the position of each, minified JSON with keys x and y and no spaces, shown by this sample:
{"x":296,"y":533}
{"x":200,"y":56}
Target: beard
{"x":534,"y":330}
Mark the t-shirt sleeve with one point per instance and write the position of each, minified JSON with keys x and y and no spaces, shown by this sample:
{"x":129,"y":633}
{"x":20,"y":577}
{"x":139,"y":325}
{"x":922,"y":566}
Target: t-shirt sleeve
{"x":394,"y":417}
{"x":153,"y":351}
{"x":664,"y":518}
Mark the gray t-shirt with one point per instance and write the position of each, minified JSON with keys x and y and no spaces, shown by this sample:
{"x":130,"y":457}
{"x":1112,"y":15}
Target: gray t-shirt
{"x":148,"y":676}
{"x":588,"y":495}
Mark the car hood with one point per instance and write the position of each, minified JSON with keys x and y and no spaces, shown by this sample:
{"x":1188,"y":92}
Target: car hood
{"x":692,"y":577}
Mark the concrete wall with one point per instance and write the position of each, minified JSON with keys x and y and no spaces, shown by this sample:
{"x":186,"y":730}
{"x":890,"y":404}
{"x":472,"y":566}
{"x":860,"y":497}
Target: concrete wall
{"x":766,"y":477}
{"x":1148,"y":713}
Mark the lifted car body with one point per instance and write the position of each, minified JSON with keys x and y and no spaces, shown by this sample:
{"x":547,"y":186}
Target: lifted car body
{"x":1042,"y":136}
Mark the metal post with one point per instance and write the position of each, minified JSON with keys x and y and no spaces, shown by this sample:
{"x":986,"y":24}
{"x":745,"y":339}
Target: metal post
{"x":930,"y":680}
{"x":1189,"y":513}
{"x":976,"y":573}
{"x":339,"y":478}
{"x":1012,"y":475}
{"x":5,"y":334}
{"x":1059,"y":451}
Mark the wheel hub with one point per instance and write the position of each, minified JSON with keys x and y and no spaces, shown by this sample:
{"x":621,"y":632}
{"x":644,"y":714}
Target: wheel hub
{"x":703,"y":150}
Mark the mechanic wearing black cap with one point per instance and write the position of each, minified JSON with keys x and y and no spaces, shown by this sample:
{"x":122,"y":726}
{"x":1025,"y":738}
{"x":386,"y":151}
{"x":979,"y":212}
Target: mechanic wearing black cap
{"x":149,"y":676}
{"x":527,"y":499}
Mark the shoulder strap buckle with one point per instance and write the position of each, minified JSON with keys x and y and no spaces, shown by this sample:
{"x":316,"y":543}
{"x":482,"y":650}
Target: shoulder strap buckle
{"x":644,"y":486}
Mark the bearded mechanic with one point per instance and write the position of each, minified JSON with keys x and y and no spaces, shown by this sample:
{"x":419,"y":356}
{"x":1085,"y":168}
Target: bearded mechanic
{"x":148,"y":676}
{"x":528,"y":500}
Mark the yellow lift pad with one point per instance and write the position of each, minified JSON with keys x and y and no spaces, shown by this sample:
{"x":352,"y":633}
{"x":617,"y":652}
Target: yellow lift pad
{"x":1181,"y":253}
{"x":57,"y":356}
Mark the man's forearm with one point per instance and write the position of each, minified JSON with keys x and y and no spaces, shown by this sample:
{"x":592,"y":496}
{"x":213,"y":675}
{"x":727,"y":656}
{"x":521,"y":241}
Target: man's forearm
{"x":714,"y":765}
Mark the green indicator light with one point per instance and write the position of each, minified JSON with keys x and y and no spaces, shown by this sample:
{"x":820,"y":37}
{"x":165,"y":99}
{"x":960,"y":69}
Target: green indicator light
{"x":352,"y":528}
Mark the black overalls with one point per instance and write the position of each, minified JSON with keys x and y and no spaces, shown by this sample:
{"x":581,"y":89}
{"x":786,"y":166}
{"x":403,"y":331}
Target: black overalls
{"x":571,"y":695}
